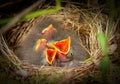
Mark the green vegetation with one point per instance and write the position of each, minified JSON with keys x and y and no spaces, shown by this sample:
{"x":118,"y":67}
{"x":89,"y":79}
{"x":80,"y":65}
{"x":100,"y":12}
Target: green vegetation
{"x":35,"y":13}
{"x":104,"y":65}
{"x":43,"y":12}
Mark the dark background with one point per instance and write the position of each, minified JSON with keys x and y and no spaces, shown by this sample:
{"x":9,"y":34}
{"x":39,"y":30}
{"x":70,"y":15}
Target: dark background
{"x":9,"y":8}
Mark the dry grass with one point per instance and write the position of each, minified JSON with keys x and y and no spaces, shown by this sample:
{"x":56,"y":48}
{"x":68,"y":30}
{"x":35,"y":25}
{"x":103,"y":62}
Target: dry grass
{"x":86,"y":24}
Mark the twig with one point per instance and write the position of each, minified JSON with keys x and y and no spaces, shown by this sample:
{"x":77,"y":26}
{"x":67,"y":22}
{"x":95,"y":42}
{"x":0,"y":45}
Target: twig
{"x":20,"y":15}
{"x":9,"y":3}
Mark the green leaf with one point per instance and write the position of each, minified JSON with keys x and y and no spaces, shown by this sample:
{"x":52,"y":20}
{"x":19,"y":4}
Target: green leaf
{"x":39,"y":13}
{"x":5,"y":20}
{"x":103,"y":42}
{"x":36,"y":13}
{"x":43,"y":12}
{"x":105,"y":64}
{"x":88,"y":60}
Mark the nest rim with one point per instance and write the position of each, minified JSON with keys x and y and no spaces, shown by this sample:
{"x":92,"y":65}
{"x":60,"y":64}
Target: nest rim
{"x":76,"y":72}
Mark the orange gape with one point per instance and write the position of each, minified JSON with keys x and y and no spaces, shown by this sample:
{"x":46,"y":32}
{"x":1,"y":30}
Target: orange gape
{"x":59,"y":51}
{"x":50,"y":55}
{"x":62,"y":46}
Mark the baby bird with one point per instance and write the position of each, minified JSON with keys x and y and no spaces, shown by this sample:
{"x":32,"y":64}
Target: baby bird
{"x":40,"y":44}
{"x":48,"y":31}
{"x":60,"y":49}
{"x":44,"y":45}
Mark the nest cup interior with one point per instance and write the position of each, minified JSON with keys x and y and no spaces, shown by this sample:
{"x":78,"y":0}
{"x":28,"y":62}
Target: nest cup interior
{"x":22,"y":39}
{"x":26,"y":50}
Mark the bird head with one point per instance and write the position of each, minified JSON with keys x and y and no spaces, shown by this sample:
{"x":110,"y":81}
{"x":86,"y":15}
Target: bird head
{"x":62,"y":46}
{"x":48,"y":31}
{"x":59,"y":50}
{"x":40,"y":44}
{"x":50,"y":55}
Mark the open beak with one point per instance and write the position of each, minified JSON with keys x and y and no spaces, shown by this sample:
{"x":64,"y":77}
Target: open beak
{"x":62,"y":46}
{"x":50,"y":55}
{"x":40,"y":44}
{"x":47,"y":32}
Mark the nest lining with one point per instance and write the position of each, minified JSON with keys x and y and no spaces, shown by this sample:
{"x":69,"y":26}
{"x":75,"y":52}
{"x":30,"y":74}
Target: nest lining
{"x":86,"y":30}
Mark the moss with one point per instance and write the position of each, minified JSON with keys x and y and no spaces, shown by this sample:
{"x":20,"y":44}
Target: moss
{"x":47,"y":77}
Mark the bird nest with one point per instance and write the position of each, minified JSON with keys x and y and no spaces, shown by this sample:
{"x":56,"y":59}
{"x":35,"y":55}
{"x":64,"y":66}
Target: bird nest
{"x":83,"y":25}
